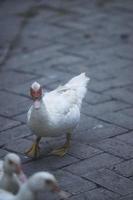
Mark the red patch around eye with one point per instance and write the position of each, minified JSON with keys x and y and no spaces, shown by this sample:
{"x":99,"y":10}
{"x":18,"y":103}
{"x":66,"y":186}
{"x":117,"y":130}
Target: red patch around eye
{"x":36,"y":94}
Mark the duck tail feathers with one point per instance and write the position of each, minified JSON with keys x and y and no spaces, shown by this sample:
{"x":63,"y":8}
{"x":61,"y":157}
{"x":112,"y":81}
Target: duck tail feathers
{"x":79,"y":83}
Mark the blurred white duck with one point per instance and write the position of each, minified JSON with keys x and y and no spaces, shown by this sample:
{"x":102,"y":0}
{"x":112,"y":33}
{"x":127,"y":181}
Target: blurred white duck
{"x":56,"y":113}
{"x":11,"y":174}
{"x":35,"y":184}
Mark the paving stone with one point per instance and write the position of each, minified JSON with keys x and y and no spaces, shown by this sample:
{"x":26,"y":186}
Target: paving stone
{"x":121,"y":94}
{"x":128,"y":111}
{"x":119,"y":119}
{"x":94,"y":98}
{"x":100,"y":75}
{"x":124,"y":52}
{"x":16,"y":7}
{"x":100,"y":86}
{"x":48,"y":31}
{"x":114,"y":66}
{"x":71,"y":39}
{"x":17,"y":105}
{"x":116,"y":147}
{"x":53,"y":86}
{"x":42,"y":66}
{"x":50,"y":82}
{"x":21,"y":118}
{"x":12,"y":23}
{"x":130,"y":87}
{"x":111,"y":181}
{"x":105,"y":85}
{"x":32,"y":57}
{"x":73,"y":184}
{"x":127,"y":138}
{"x":3,"y":153}
{"x":73,"y":24}
{"x":131,"y":178}
{"x":88,"y":122}
{"x":124,"y":168}
{"x":83,"y":151}
{"x":96,"y":162}
{"x":98,"y":133}
{"x":127,"y":197}
{"x":8,"y":136}
{"x":24,"y":89}
{"x":18,"y":145}
{"x":106,"y":107}
{"x":49,"y":163}
{"x":96,"y":194}
{"x":93,"y":57}
{"x":28,"y":43}
{"x":7,"y":81}
{"x":6,"y":123}
{"x":37,"y":65}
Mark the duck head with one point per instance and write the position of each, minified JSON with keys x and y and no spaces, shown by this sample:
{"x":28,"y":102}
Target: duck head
{"x":12,"y":164}
{"x":44,"y":180}
{"x":36,"y":93}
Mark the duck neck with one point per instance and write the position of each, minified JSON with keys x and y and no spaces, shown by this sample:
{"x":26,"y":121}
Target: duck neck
{"x":7,"y":172}
{"x":25,"y":193}
{"x":38,"y":103}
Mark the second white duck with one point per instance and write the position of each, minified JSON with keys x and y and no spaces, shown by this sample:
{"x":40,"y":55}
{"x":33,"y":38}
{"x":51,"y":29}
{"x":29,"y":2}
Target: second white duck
{"x":38,"y":182}
{"x":11,"y":174}
{"x":56,"y":112}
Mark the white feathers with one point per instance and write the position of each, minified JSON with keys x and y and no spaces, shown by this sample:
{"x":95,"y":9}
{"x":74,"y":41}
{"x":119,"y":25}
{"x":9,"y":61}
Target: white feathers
{"x":36,"y":183}
{"x":35,"y":86}
{"x":10,"y":173}
{"x":43,"y":175}
{"x":40,"y":181}
{"x":59,"y":112}
{"x":13,"y":157}
{"x":79,"y":84}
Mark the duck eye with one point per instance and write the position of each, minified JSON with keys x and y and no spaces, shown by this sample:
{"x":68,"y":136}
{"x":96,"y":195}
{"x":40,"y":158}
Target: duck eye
{"x":10,"y":162}
{"x":48,"y":182}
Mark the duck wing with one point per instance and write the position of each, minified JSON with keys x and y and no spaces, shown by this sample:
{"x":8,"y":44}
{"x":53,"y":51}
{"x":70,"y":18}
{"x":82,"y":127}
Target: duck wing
{"x":65,"y":98}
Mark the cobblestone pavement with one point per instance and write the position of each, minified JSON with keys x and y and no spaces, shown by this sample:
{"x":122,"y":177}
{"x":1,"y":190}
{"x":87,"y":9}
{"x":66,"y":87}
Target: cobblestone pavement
{"x":51,"y":41}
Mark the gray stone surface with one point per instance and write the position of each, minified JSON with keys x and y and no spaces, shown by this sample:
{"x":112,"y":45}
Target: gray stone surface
{"x":96,"y":162}
{"x":96,"y":194}
{"x":119,"y":119}
{"x":124,"y":168}
{"x":12,"y":104}
{"x":6,"y":123}
{"x":50,"y":42}
{"x":116,"y":147}
{"x":111,"y":181}
{"x":73,"y":184}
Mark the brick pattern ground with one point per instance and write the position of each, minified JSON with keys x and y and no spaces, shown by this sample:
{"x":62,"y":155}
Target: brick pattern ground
{"x":51,"y":41}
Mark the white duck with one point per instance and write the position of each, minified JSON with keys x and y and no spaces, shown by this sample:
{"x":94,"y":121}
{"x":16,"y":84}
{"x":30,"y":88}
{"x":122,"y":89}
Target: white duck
{"x":35,"y":184}
{"x":56,"y":112}
{"x":11,"y":174}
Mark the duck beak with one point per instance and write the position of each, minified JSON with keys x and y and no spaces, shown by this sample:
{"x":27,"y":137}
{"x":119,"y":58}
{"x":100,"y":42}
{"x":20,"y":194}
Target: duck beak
{"x":61,"y":193}
{"x":18,"y":169}
{"x":55,"y":188}
{"x":37,"y":104}
{"x":22,"y":177}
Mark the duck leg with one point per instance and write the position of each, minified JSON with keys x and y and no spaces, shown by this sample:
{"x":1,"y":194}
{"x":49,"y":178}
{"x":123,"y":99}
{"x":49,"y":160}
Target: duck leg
{"x":34,"y":151}
{"x":64,"y":149}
